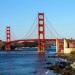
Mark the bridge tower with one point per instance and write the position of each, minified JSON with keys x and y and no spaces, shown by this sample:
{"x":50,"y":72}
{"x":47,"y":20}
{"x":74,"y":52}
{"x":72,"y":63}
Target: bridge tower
{"x":41,"y":35}
{"x":8,"y":38}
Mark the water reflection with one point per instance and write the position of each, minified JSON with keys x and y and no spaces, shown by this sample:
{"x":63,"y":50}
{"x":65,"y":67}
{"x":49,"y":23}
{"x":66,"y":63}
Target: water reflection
{"x":41,"y":66}
{"x":41,"y":59}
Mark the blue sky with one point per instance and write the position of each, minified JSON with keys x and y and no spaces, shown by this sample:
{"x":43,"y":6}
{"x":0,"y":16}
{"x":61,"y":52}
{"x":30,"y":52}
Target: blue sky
{"x":20,"y":14}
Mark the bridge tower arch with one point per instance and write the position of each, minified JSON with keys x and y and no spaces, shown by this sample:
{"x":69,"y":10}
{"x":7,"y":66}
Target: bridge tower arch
{"x":8,"y":38}
{"x":41,"y":33}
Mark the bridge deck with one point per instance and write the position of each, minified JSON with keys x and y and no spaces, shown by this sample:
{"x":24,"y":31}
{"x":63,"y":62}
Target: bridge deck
{"x":36,"y":40}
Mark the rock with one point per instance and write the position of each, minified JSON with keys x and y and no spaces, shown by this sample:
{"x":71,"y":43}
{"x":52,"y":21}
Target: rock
{"x":62,"y":71}
{"x":53,"y":56}
{"x":73,"y":65}
{"x":65,"y":63}
{"x":62,"y":68}
{"x":68,"y":68}
{"x":50,"y":68}
{"x":62,"y":64}
{"x":48,"y":63}
{"x":55,"y":67}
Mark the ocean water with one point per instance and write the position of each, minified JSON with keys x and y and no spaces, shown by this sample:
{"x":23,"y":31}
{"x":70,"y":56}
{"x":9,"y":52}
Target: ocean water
{"x":26,"y":62}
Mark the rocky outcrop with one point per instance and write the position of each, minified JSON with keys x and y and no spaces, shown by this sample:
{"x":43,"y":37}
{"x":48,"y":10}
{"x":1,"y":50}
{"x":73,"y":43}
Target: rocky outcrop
{"x":73,"y":65}
{"x":61,"y":67}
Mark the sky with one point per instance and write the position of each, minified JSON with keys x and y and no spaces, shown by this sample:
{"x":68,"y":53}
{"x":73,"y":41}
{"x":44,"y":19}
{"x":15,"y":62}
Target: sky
{"x":20,"y":15}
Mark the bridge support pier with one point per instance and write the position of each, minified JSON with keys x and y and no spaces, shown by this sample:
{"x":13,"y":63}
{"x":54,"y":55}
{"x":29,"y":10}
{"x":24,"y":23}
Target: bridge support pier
{"x":68,"y":46}
{"x":41,"y":36}
{"x":8,"y":38}
{"x":64,"y":46}
{"x":57,"y":48}
{"x":59,"y":45}
{"x":41,"y":48}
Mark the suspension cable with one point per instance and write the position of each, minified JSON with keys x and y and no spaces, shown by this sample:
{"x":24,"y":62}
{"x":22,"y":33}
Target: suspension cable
{"x":30,"y":28}
{"x":4,"y":36}
{"x":50,"y":30}
{"x":13,"y":34}
{"x":31,"y":32}
{"x":53,"y":27}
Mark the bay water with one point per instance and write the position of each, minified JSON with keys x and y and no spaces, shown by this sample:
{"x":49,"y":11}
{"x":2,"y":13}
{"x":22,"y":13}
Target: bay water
{"x":26,"y":62}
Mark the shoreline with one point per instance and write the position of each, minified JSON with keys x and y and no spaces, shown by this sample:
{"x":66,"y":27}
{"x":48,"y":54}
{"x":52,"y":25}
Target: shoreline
{"x":63,"y":68}
{"x":68,"y":57}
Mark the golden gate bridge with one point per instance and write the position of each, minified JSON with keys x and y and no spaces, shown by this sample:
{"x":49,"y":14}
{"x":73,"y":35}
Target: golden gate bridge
{"x":61,"y":43}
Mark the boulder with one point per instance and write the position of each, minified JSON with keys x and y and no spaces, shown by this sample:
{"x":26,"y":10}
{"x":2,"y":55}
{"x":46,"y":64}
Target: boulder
{"x":67,"y":71}
{"x":50,"y":68}
{"x":48,"y":63}
{"x":73,"y":65}
{"x":55,"y":67}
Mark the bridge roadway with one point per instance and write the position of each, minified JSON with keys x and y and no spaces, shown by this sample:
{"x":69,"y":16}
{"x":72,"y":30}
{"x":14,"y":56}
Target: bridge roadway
{"x":46,"y":40}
